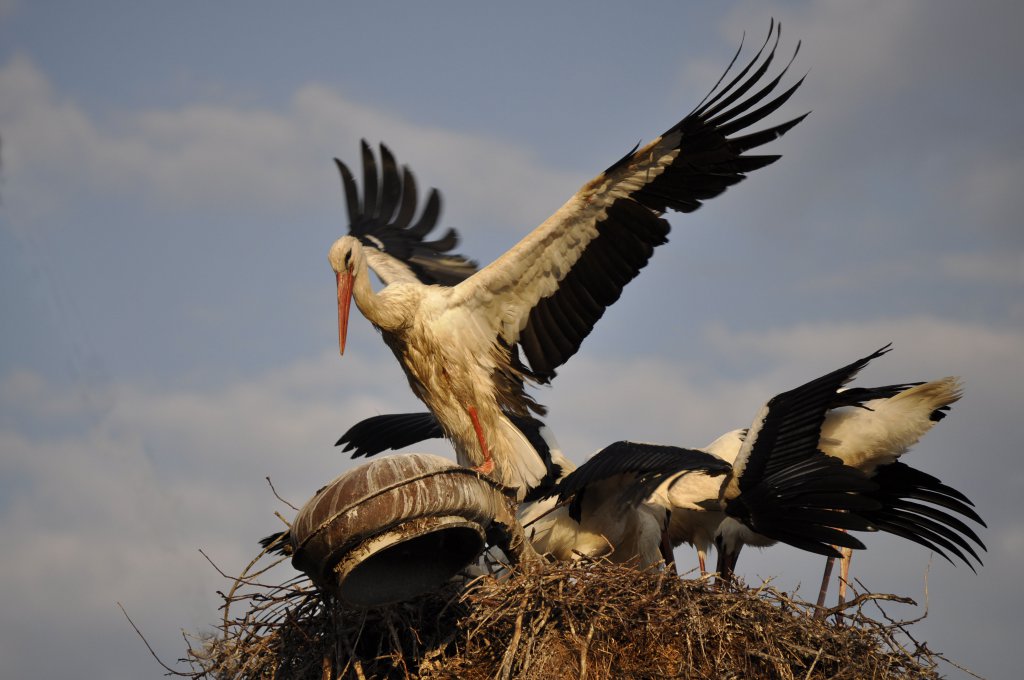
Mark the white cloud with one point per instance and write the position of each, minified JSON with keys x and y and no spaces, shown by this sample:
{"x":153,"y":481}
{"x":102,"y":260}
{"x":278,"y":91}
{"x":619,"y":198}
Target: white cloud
{"x":219,"y":156}
{"x":926,"y":344}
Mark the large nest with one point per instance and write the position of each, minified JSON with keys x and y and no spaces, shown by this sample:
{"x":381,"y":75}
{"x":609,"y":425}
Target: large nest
{"x":584,"y":619}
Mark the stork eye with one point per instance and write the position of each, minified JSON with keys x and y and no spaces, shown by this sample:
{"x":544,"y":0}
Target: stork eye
{"x":348,"y":258}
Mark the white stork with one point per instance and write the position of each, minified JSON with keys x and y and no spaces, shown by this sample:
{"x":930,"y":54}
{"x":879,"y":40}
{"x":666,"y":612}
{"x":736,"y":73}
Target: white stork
{"x":459,"y":344}
{"x":779,"y":485}
{"x":869,"y":429}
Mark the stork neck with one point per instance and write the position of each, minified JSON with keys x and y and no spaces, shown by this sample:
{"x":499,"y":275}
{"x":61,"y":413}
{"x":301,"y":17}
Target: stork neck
{"x":385,"y":316}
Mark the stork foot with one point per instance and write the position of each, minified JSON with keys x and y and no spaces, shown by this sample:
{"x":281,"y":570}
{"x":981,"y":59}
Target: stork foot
{"x":486,"y":467}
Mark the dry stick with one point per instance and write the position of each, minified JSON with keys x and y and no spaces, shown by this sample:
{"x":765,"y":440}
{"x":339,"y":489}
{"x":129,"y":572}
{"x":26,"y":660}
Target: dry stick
{"x":536,"y":629}
{"x":893,"y":640}
{"x":583,"y":651}
{"x":279,"y":497}
{"x":510,"y":653}
{"x":286,"y":523}
{"x":814,"y":663}
{"x":146,"y":642}
{"x":397,"y":641}
{"x":864,"y":597}
{"x":958,"y":666}
{"x":234,"y":586}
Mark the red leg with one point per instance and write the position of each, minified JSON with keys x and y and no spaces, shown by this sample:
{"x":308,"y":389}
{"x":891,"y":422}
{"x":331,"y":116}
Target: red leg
{"x":700,"y":559}
{"x":486,"y":467}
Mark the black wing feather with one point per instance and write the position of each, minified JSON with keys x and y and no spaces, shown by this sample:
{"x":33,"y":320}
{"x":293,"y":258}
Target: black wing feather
{"x":791,"y":429}
{"x":381,"y":220}
{"x":391,"y":185}
{"x":859,"y":396}
{"x":709,"y":162}
{"x":389,"y":432}
{"x":738,"y":87}
{"x":279,"y":543}
{"x":908,"y":499}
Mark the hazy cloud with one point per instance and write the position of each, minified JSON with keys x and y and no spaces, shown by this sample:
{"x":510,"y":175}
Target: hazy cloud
{"x":217,"y":156}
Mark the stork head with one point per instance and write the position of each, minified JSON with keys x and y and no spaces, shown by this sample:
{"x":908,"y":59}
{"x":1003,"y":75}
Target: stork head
{"x":343,"y":257}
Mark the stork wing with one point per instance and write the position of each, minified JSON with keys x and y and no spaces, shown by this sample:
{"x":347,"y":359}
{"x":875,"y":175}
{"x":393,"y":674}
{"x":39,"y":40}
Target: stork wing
{"x":549,"y":290}
{"x":899,"y":486}
{"x":382,"y":221}
{"x":639,"y":467}
{"x":787,"y":488}
{"x":785,"y":434}
{"x":390,"y":431}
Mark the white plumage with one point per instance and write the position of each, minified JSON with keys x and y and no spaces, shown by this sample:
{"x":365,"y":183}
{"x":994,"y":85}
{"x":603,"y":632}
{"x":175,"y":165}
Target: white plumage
{"x":460,"y":343}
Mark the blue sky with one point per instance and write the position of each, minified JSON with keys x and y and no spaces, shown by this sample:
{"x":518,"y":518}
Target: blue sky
{"x":167,"y":198}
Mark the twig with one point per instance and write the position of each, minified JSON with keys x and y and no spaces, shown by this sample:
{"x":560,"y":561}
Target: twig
{"x":814,"y":663}
{"x":274,"y":491}
{"x":146,"y":642}
{"x":864,"y":597}
{"x":583,"y":652}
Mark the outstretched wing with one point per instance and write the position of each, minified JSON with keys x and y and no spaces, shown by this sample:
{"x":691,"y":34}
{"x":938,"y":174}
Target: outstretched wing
{"x":549,"y":290}
{"x":785,"y":487}
{"x":382,"y":220}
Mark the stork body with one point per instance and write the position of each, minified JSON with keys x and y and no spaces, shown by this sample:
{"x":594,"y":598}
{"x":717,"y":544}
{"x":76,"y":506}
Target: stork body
{"x":869,"y":429}
{"x":460,"y":343}
{"x":697,"y":526}
{"x":454,"y":371}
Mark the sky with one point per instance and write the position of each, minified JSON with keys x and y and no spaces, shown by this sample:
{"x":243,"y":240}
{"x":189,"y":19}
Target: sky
{"x":167,"y":199}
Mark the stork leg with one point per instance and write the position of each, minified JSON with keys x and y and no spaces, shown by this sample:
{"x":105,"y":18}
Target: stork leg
{"x":486,"y":467}
{"x":702,"y":560}
{"x":820,"y":610}
{"x":666,"y":551}
{"x":726,"y":561}
{"x":844,"y":573}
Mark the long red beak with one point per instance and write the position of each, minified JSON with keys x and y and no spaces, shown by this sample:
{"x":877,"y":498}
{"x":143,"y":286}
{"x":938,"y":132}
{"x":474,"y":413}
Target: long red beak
{"x":344,"y":304}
